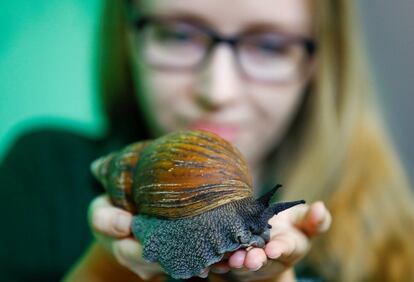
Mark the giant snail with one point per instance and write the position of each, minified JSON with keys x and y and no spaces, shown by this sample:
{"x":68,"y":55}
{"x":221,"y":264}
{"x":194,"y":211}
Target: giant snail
{"x":192,"y":199}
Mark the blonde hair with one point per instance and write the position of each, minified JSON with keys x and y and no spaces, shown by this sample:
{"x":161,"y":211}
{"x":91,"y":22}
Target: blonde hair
{"x":347,"y":160}
{"x":336,"y":151}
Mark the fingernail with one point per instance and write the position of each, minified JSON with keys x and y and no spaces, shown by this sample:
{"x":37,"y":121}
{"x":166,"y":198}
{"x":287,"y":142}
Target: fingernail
{"x":204,"y":273}
{"x":257,"y":268}
{"x":122,"y":222}
{"x":273,"y":250}
{"x":273,"y":254}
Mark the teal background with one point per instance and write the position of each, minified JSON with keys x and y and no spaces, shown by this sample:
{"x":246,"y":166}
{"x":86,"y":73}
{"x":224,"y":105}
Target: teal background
{"x":46,"y":66}
{"x":47,"y":56}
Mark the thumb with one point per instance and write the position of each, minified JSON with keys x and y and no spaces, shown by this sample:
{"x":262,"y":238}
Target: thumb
{"x":109,"y":220}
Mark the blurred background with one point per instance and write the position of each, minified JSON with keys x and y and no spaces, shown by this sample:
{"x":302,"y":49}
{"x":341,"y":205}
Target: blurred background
{"x":46,"y":67}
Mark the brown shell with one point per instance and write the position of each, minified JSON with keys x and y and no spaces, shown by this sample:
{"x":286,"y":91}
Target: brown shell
{"x":115,"y":172}
{"x":178,"y":175}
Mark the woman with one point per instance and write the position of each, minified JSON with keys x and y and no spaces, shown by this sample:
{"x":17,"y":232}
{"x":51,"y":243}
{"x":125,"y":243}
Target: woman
{"x":317,"y":119}
{"x":183,"y":55}
{"x":287,"y":83}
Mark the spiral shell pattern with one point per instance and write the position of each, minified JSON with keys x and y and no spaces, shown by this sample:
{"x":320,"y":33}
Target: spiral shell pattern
{"x":181,"y":174}
{"x":189,"y":172}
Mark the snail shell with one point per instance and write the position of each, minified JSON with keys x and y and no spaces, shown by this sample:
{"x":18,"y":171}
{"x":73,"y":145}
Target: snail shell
{"x":192,"y":195}
{"x":178,"y":175}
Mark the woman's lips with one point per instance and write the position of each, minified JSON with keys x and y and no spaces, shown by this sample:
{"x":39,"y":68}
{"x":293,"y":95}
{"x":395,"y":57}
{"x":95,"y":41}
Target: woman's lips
{"x":226,"y":131}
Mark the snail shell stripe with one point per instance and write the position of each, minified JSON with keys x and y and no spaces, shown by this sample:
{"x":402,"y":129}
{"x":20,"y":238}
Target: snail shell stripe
{"x":178,"y":175}
{"x":206,"y":172}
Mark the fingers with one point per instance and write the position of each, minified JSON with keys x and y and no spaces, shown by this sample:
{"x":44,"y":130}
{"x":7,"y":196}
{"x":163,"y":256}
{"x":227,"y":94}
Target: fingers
{"x":312,"y":220}
{"x":128,"y":253}
{"x":252,"y":259}
{"x":316,"y":220}
{"x":255,"y":259}
{"x":236,"y":260}
{"x":291,"y":233}
{"x":109,"y":220}
{"x":255,"y":265}
{"x":288,"y":247}
{"x":112,"y":230}
{"x":291,"y":236}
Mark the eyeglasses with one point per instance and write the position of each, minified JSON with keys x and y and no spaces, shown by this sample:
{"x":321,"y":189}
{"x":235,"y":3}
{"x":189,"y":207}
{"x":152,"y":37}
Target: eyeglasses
{"x":184,"y":46}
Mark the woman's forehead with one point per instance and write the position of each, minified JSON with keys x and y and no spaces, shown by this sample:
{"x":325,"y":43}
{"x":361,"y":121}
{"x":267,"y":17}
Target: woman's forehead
{"x":230,"y":16}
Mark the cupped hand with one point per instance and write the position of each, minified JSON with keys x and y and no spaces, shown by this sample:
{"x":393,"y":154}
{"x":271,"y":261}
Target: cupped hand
{"x":291,"y":235}
{"x":290,"y":240}
{"x":111,"y":228}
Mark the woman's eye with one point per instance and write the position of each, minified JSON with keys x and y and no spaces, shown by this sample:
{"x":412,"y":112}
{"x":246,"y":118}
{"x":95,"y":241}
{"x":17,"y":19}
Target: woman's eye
{"x":270,"y":48}
{"x":174,"y":35}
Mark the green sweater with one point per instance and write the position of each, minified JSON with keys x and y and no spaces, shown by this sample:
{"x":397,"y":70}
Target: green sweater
{"x":46,"y":187}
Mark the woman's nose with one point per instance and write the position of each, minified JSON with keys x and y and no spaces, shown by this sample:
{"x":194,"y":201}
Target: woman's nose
{"x":219,"y":82}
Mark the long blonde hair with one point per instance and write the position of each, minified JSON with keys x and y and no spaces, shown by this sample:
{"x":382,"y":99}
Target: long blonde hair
{"x":346,"y":159}
{"x":336,"y":151}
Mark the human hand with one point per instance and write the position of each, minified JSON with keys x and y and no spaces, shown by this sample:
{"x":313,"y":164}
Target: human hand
{"x":290,"y":235}
{"x":111,"y":228}
{"x":290,"y":240}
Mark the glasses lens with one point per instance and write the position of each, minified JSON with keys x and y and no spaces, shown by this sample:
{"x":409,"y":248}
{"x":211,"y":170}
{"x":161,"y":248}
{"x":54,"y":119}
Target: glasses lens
{"x":271,"y":57}
{"x":174,"y":44}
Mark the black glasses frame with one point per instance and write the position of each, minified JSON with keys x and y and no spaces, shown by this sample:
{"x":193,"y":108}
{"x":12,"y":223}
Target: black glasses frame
{"x":232,"y":41}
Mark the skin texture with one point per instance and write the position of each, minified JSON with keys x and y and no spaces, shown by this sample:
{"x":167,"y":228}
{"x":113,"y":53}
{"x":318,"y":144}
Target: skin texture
{"x":217,"y":96}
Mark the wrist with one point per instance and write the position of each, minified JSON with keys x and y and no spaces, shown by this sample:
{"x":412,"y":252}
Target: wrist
{"x":97,"y":264}
{"x":286,"y":276}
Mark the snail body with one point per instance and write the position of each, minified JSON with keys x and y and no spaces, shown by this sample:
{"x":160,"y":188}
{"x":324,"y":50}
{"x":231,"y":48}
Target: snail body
{"x":191,"y":193}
